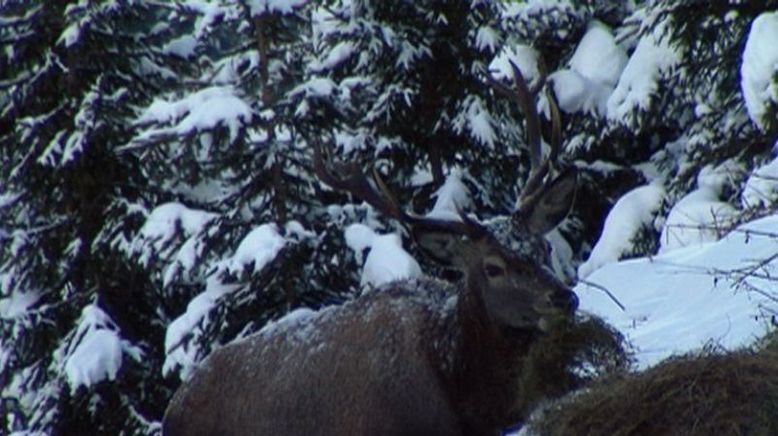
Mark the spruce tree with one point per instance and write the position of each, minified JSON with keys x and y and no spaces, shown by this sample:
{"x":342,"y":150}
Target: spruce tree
{"x":79,"y":326}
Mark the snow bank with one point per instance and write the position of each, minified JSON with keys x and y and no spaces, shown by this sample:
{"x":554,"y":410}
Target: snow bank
{"x":634,"y":210}
{"x":679,"y":301}
{"x":759,"y":68}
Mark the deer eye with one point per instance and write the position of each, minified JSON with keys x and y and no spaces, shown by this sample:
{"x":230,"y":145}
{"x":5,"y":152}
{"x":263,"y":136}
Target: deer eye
{"x":493,"y":270}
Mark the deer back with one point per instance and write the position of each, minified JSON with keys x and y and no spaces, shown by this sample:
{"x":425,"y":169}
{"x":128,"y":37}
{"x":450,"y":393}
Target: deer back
{"x":361,"y":368}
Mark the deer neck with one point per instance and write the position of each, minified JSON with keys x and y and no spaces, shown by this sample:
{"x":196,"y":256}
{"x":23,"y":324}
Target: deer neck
{"x":485,"y":363}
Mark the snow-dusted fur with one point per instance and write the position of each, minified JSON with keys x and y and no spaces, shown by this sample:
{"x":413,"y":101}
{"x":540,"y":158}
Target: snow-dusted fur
{"x":412,"y":358}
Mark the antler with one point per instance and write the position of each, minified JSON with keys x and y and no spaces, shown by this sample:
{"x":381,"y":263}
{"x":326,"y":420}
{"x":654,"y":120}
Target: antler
{"x":355,"y":182}
{"x":525,"y":98}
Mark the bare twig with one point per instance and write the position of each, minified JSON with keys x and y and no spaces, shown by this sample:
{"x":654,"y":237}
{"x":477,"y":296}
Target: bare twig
{"x":606,"y":291}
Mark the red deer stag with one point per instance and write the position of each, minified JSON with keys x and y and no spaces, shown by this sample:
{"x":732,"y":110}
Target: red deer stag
{"x":415,"y":357}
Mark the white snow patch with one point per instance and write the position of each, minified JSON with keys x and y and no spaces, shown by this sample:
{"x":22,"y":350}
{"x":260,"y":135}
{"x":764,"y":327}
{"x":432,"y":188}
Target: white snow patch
{"x":575,"y":92}
{"x":528,"y":8}
{"x":453,"y":198}
{"x":479,"y":122}
{"x":679,"y":301}
{"x":634,"y":210}
{"x":258,"y":248}
{"x":339,"y":53}
{"x":210,"y":12}
{"x":652,"y":58}
{"x":97,"y":357}
{"x":316,"y":87}
{"x":183,"y":46}
{"x":486,"y":38}
{"x":594,"y":71}
{"x":200,"y":111}
{"x":524,"y":56}
{"x":386,"y":262}
{"x":163,"y":224}
{"x":359,"y":238}
{"x":179,"y":352}
{"x":761,"y":190}
{"x":598,"y":57}
{"x":410,"y":53}
{"x":760,"y":67}
{"x":8,"y":198}
{"x":260,"y":7}
{"x":295,"y":229}
{"x":17,"y":303}
{"x":70,"y":35}
{"x":254,"y":252}
{"x":98,"y":351}
{"x":699,"y":216}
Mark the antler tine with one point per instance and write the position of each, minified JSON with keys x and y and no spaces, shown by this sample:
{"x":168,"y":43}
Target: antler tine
{"x":356,"y":183}
{"x":524,"y":98}
{"x":556,"y":128}
{"x":538,"y":174}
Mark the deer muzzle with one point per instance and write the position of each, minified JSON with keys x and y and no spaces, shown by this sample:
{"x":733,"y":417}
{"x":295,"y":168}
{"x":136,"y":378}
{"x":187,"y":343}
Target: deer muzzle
{"x":562,"y":305}
{"x":565,"y":301}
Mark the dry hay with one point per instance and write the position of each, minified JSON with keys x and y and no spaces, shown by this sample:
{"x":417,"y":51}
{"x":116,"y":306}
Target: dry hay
{"x":710,"y":393}
{"x":569,"y":357}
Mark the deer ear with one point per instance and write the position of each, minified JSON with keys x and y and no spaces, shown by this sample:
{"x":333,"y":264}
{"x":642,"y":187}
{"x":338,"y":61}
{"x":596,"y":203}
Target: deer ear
{"x":553,"y":204}
{"x":445,"y":248}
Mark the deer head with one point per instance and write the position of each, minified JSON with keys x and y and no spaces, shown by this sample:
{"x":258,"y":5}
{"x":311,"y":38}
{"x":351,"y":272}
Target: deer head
{"x":506,"y":263}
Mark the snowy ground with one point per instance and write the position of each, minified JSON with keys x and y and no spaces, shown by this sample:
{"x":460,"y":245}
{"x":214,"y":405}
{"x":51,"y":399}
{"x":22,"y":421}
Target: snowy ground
{"x":722,"y":293}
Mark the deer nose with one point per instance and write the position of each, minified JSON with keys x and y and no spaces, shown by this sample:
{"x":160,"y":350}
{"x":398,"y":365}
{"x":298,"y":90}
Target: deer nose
{"x":565,"y":300}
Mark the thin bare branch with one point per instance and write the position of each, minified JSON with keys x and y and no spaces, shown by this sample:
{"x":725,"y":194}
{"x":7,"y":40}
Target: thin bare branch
{"x":605,"y":290}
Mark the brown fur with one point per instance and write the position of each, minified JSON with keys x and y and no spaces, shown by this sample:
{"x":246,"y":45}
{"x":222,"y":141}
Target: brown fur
{"x":379,"y":371}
